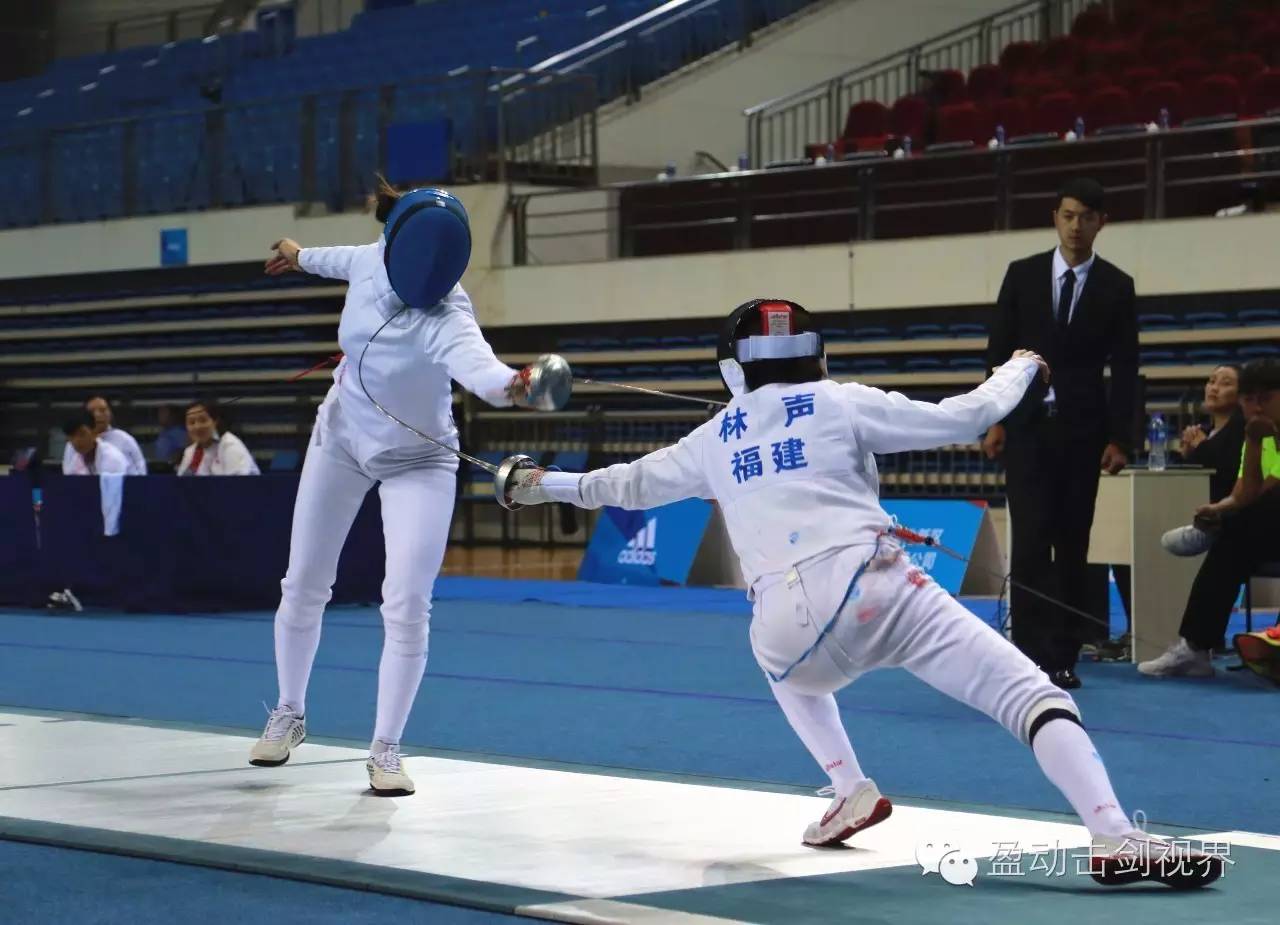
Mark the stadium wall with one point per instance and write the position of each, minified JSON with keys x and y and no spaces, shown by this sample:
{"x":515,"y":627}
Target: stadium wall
{"x":702,"y":109}
{"x":1183,"y":256}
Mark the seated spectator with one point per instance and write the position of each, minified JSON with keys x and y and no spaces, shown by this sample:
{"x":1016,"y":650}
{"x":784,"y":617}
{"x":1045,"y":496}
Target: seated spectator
{"x":1214,"y":446}
{"x":103,"y":419}
{"x":1243,"y":527}
{"x":172,"y":439}
{"x":211,"y":451}
{"x":87,"y":452}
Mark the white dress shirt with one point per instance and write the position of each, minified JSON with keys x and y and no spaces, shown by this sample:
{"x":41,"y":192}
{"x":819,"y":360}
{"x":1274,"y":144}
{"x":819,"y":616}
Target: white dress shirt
{"x":122,"y":441}
{"x":1060,"y":270}
{"x":225,"y":456}
{"x":110,"y":465}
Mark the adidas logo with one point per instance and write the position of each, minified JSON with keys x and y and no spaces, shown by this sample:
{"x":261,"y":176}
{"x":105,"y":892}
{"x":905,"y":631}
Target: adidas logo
{"x":641,"y":549}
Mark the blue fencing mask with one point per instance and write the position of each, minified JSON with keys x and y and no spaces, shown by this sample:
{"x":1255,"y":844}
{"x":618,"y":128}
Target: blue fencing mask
{"x":428,"y":245}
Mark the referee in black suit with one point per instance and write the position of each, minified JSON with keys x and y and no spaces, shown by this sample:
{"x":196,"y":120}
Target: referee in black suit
{"x":1077,"y":311}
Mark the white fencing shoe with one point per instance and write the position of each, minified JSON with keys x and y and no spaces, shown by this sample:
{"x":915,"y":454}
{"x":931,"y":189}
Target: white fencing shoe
{"x":387,"y":777}
{"x":285,"y":731}
{"x":1179,"y":661}
{"x":1186,"y":541}
{"x":847,"y":815}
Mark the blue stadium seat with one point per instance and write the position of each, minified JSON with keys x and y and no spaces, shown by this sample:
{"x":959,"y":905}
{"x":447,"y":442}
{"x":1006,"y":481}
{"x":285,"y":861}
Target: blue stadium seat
{"x":1156,"y":322}
{"x":967,"y":330}
{"x":1157,"y":357}
{"x":1207,"y":319}
{"x":923,"y":330}
{"x":1259,"y":316}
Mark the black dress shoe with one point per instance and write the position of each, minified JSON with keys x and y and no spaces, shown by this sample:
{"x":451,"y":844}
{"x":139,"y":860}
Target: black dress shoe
{"x":1065,"y":679}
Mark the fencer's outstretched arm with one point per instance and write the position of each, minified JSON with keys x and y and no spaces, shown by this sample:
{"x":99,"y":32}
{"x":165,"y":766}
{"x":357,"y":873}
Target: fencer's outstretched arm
{"x":459,"y":344}
{"x":672,"y":473}
{"x":889,"y":422}
{"x":331,"y":262}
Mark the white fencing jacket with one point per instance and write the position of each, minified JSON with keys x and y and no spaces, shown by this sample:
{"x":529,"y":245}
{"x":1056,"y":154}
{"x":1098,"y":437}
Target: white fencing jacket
{"x":110,"y":465}
{"x":791,"y":465}
{"x":122,"y":441}
{"x":408,"y":368}
{"x":225,"y":456}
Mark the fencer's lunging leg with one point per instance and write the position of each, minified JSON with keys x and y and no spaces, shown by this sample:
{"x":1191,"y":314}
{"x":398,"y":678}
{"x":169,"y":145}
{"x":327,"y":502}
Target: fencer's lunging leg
{"x":417,"y":507}
{"x":330,"y":492}
{"x":946,"y":646}
{"x":816,"y":720}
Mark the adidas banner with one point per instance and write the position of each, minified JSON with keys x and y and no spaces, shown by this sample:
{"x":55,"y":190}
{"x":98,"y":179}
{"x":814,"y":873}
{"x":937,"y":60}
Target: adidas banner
{"x":954,"y":524}
{"x":654,"y":547}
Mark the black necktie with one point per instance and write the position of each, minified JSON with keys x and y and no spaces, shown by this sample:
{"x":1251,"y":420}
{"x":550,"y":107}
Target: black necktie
{"x":1064,"y":302}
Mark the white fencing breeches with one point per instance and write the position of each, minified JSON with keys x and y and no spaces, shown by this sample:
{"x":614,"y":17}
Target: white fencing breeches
{"x":895,"y":617}
{"x":417,"y":507}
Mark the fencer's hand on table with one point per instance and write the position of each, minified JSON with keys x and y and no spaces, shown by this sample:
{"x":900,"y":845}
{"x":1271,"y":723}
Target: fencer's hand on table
{"x":285,"y":259}
{"x":525,"y":487}
{"x":1114,"y":459}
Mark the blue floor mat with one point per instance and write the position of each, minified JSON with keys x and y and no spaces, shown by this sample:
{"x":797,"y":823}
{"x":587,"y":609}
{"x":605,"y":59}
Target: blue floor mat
{"x":658,"y":689}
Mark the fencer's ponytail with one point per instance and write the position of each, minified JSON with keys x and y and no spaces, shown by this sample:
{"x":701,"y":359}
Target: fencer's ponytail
{"x":387,"y":196}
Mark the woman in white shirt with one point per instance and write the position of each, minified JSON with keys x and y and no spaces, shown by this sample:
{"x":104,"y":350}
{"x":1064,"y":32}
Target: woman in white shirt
{"x":211,"y":452}
{"x":407,"y":330}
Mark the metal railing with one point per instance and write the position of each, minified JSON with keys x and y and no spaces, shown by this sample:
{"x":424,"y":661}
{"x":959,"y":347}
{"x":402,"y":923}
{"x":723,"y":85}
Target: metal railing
{"x":779,"y":128}
{"x":626,"y":58}
{"x":1169,"y":174}
{"x":308,"y":148}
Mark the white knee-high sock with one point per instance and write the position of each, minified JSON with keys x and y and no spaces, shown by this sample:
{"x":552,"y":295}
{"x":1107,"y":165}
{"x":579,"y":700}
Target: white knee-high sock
{"x":1067,"y":757}
{"x":816,"y":720}
{"x":404,"y":660}
{"x":296,"y":644}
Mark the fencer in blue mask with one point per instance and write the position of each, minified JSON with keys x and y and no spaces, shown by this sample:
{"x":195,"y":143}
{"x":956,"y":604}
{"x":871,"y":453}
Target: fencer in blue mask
{"x":407,"y":329}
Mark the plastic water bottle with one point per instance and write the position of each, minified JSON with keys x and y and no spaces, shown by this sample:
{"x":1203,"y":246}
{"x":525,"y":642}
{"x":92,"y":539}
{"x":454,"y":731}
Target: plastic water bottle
{"x":1080,"y":127}
{"x":671,"y":169}
{"x":831,"y":153}
{"x":744,"y":163}
{"x":1000,"y":135}
{"x":1158,"y":437}
{"x":1164,"y":119}
{"x":906,"y":145}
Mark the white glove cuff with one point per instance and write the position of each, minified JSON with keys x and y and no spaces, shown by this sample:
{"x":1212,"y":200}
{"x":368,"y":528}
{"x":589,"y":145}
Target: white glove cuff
{"x":562,"y":486}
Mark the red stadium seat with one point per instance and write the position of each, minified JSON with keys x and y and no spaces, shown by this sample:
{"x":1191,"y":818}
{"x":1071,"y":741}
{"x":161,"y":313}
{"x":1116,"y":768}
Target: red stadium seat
{"x":1190,"y":72}
{"x":1109,"y":58}
{"x":1034,"y":85}
{"x":1160,"y":94}
{"x":1139,"y":76}
{"x":1266,"y":43}
{"x":1216,"y":45}
{"x":987,"y":83}
{"x":1215,"y":95}
{"x":965,"y":121}
{"x":1108,"y":107}
{"x":867,"y":118}
{"x":1167,"y":53}
{"x":1055,"y":112}
{"x":1264,"y":93}
{"x":1020,"y":57}
{"x":1088,"y":84}
{"x":1243,"y":66}
{"x":949,"y":86}
{"x":1013,"y":113}
{"x":909,"y":116}
{"x":1062,"y":54}
{"x":1092,"y":23}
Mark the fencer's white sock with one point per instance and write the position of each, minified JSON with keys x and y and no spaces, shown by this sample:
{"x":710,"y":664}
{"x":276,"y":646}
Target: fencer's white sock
{"x":1067,"y":757}
{"x":295,"y":652}
{"x":816,"y":720}
{"x":399,"y":674}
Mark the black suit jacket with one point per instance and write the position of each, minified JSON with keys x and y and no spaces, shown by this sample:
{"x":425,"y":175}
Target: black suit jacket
{"x":1103,"y":331}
